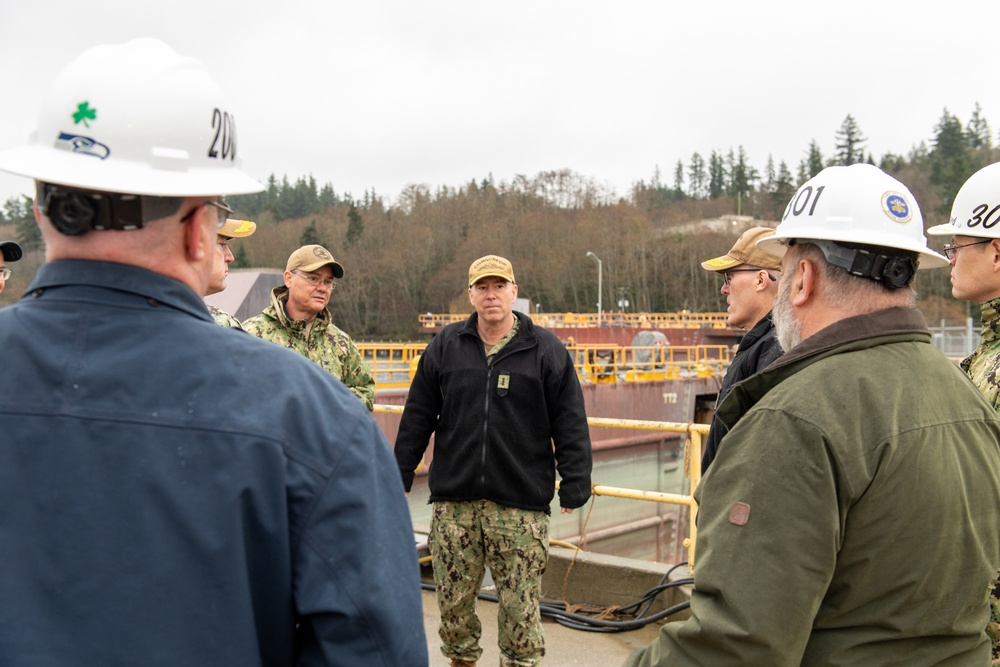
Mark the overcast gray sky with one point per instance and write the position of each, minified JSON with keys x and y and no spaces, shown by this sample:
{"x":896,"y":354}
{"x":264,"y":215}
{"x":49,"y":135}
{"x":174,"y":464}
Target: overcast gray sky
{"x":385,"y":94}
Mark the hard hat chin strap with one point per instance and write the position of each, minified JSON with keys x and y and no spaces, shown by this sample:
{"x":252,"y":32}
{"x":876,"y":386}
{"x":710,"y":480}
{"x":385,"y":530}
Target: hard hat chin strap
{"x":892,"y":270}
{"x":75,"y":211}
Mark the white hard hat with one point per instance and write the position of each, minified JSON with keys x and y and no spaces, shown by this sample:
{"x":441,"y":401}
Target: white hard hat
{"x":976,"y":209}
{"x":135,"y":118}
{"x":857,"y":204}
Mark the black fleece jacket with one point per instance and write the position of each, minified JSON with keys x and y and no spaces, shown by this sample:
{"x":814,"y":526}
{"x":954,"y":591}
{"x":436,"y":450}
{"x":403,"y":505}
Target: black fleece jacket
{"x":495,"y":425}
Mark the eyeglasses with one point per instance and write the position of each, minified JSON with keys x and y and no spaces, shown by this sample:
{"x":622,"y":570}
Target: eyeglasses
{"x":221,"y":204}
{"x":950,"y":249}
{"x":728,"y":275}
{"x":316,"y":280}
{"x":4,"y":273}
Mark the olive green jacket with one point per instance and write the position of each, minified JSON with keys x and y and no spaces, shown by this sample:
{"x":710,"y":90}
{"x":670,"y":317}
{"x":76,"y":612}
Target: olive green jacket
{"x":853,"y":514}
{"x":318,"y":339}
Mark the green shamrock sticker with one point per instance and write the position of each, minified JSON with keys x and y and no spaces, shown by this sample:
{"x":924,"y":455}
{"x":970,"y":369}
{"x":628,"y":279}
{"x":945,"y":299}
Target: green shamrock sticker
{"x":83,"y":112}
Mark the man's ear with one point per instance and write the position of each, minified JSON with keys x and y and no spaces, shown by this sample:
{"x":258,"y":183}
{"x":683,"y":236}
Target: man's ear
{"x":194,"y":233}
{"x":803,"y":283}
{"x":995,"y":249}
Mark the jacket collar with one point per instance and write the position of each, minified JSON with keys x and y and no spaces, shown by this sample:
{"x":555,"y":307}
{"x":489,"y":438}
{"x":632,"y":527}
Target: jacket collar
{"x":279,"y":296}
{"x":759,"y":330}
{"x":524,"y":329}
{"x":889,"y":322}
{"x":860,"y":331}
{"x":122,"y":279}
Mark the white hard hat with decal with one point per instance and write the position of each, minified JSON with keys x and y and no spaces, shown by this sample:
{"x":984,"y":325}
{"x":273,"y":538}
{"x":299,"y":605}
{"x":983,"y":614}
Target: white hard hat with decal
{"x":976,"y":209}
{"x":135,"y":118}
{"x":857,"y":204}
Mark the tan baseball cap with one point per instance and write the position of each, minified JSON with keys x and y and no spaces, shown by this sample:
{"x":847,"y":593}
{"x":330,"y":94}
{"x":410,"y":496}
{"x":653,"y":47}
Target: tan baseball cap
{"x":491,"y":265}
{"x":237,"y":229}
{"x":745,"y":252}
{"x":311,"y":257}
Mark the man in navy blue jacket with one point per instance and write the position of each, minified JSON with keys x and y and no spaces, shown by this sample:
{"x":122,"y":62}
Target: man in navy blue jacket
{"x":173,"y":492}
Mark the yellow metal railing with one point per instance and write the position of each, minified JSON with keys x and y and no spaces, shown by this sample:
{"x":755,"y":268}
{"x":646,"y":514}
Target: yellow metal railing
{"x":597,"y":363}
{"x":678,"y":320}
{"x":393,"y":364}
{"x":692,"y":467}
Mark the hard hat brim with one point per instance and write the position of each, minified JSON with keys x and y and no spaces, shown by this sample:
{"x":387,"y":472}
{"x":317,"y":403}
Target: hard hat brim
{"x":777,"y":245}
{"x":58,"y":167}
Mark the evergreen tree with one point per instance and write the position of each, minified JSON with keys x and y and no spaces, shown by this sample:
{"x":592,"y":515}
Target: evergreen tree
{"x":355,"y":225}
{"x":240,"y":259}
{"x":850,"y":143}
{"x":716,"y":176}
{"x":679,"y":179}
{"x":327,"y":197}
{"x":891,"y":163}
{"x":784,"y":188}
{"x":978,"y":130}
{"x":310,"y":235}
{"x":950,"y":159}
{"x":770,"y":175}
{"x":742,"y":176}
{"x":811,"y":164}
{"x":18,"y":210}
{"x":697,"y":178}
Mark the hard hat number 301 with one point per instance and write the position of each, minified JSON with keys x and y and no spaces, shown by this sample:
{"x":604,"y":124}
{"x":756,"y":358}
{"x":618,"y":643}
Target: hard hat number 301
{"x":802,"y":200}
{"x":989,"y":221}
{"x":224,"y":142}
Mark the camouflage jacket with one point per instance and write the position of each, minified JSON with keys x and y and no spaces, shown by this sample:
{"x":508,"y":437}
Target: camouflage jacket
{"x":982,"y":366}
{"x":224,"y":319}
{"x":317,"y":339}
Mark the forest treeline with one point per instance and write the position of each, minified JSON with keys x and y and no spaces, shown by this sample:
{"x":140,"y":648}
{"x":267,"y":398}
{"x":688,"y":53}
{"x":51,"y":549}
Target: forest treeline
{"x":412,"y":255}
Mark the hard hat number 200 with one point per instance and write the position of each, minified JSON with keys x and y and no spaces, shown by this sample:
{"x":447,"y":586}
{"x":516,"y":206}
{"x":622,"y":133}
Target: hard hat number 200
{"x":989,"y":221}
{"x":802,"y":200}
{"x":224,"y":142}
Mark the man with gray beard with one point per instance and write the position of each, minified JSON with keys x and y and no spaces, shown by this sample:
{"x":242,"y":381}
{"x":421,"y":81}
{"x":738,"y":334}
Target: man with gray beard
{"x":843,"y":522}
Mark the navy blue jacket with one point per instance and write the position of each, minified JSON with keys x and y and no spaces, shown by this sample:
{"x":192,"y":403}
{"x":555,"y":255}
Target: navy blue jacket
{"x":173,"y":492}
{"x":758,"y":348}
{"x":495,"y":424}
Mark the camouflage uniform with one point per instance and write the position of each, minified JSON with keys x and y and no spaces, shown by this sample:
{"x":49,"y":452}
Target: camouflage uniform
{"x":465,"y":538}
{"x":317,"y":339}
{"x":224,"y":319}
{"x":982,"y":366}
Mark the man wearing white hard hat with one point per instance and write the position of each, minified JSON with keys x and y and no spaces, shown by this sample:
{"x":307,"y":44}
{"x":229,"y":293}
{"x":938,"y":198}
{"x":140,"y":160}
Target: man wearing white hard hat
{"x":974,"y":254}
{"x":222,"y":258}
{"x":172,"y":493}
{"x":841,"y":522}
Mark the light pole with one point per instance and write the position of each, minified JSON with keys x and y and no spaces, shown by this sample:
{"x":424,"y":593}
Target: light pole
{"x":600,"y":281}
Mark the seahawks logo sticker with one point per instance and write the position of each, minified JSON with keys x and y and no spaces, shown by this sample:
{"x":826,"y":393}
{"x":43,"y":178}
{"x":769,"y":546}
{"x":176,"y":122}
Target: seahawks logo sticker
{"x":77,"y":143}
{"x":896,"y":207}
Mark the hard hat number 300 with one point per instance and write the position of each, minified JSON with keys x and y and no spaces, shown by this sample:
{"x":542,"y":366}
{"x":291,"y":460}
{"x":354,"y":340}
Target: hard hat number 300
{"x":224,"y":142}
{"x":806,"y":198}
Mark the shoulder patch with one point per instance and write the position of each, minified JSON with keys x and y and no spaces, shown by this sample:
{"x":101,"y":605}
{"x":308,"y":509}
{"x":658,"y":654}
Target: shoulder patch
{"x":739,"y":514}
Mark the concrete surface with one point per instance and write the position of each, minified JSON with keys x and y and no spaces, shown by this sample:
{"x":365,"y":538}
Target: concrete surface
{"x":593,"y":579}
{"x":563,"y":646}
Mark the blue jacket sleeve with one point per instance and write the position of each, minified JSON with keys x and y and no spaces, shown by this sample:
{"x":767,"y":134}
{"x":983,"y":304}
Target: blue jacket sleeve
{"x":357,"y":581}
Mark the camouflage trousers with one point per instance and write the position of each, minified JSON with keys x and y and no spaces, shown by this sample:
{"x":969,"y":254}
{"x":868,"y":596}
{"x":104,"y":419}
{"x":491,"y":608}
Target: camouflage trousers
{"x":993,"y":627}
{"x":466,"y":537}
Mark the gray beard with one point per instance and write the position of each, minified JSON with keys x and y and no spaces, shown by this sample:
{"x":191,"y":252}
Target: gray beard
{"x":787,"y":328}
